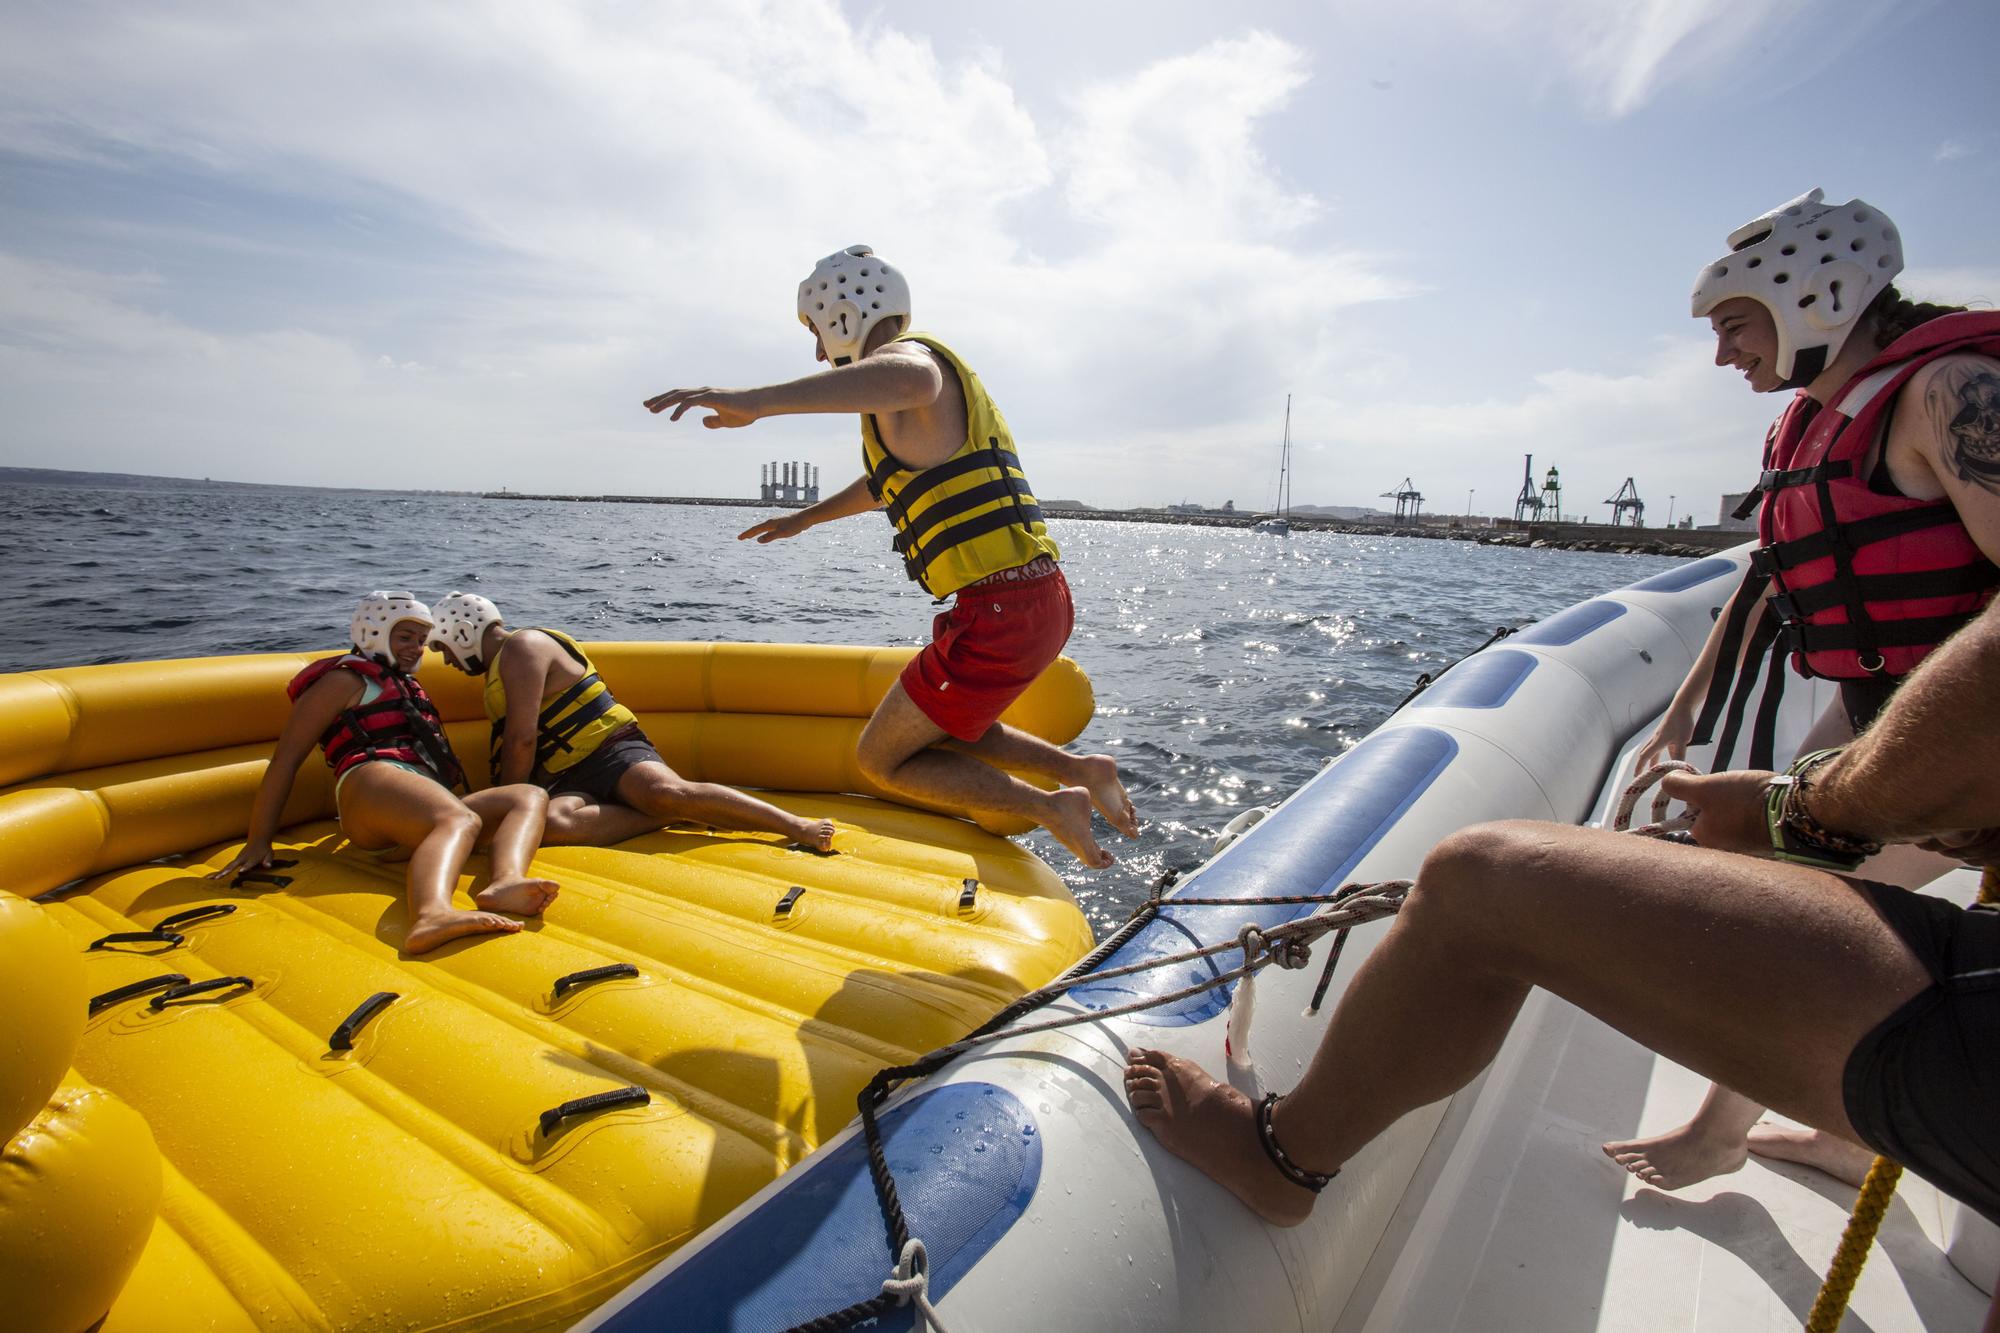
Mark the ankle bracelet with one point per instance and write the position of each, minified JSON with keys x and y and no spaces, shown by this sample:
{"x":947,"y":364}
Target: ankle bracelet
{"x":1292,"y":1171}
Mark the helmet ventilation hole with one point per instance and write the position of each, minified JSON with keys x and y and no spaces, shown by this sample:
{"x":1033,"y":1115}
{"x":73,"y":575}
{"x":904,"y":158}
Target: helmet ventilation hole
{"x":1807,"y":300}
{"x":1822,"y":235}
{"x":1860,"y":215}
{"x":1754,"y":263}
{"x":1857,"y":244}
{"x":1788,"y":249}
{"x":1826,"y":259}
{"x":1782,"y":277}
{"x":1883,"y":262}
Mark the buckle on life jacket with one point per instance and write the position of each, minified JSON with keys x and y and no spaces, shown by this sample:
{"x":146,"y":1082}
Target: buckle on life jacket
{"x":1764,"y":561}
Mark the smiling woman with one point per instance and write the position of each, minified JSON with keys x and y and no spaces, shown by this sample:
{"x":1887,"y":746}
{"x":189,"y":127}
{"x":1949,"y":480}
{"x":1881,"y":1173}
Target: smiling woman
{"x":1878,"y":539}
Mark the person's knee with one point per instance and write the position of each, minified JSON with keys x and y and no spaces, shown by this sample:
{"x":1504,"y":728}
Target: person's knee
{"x":1474,"y":872}
{"x":462,"y":821}
{"x":530,"y":799}
{"x":878,"y":764}
{"x":662,"y":794}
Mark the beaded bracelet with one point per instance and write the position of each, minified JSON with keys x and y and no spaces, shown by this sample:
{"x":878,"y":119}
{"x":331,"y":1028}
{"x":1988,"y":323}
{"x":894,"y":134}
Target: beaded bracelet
{"x":1795,"y":835}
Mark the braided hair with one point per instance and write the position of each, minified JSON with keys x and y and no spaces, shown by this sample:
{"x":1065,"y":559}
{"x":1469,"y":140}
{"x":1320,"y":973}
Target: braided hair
{"x":1895,"y":314}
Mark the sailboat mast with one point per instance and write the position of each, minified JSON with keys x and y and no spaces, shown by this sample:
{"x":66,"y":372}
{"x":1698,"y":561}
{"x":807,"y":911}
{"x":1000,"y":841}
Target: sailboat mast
{"x":1285,"y":465}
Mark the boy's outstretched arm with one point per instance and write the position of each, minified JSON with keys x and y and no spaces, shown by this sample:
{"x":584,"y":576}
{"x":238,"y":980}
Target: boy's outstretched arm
{"x":853,"y":498}
{"x":894,"y":378}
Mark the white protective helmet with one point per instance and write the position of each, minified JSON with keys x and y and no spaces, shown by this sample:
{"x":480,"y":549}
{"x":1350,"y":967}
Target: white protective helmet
{"x":462,"y":620}
{"x":847,"y":294}
{"x":1815,"y":266}
{"x":378,"y":614}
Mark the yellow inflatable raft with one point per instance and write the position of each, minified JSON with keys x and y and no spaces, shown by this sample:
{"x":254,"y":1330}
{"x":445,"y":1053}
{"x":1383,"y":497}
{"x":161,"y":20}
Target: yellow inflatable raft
{"x":244,"y":1108}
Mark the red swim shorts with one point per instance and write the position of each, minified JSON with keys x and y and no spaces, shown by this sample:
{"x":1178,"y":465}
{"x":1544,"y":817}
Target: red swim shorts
{"x":988,"y":648}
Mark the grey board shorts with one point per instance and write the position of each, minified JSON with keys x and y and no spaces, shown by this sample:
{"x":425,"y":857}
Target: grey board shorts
{"x":1923,"y":1088}
{"x":596,"y":778}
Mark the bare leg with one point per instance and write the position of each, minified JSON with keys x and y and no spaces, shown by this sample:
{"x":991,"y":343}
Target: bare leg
{"x":1844,"y":1161}
{"x":661,"y":794}
{"x":382,"y":805}
{"x":576,"y":820}
{"x":1761,"y":975}
{"x":513,"y":817}
{"x":1715,"y":1142}
{"x":900,"y":752}
{"x":1010,"y":747}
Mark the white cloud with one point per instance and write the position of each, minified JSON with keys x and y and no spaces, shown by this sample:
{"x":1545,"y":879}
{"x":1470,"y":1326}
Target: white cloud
{"x":645,"y":196}
{"x":1951,"y":150}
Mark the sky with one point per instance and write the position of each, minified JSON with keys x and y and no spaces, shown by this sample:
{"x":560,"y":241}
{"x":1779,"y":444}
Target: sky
{"x":456,"y":246}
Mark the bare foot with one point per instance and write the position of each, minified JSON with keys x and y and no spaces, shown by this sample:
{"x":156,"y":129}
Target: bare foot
{"x":522,"y":897}
{"x":426,"y":933}
{"x":814,"y":833}
{"x":1107,"y":793}
{"x":1679,"y":1157}
{"x":1809,"y":1147}
{"x":1212,"y":1127}
{"x":1069,"y":820}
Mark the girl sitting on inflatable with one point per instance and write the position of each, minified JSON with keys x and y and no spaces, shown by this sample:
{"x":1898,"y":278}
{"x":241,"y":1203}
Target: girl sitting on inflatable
{"x":395,"y":779}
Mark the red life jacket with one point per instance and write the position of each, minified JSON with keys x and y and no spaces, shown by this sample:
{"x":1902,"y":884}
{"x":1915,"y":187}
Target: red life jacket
{"x":1867,"y":584}
{"x":401,"y":724}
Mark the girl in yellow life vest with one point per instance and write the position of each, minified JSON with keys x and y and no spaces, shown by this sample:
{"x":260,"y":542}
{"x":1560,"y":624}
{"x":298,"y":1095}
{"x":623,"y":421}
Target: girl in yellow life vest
{"x":565,"y":732}
{"x":938,"y":458}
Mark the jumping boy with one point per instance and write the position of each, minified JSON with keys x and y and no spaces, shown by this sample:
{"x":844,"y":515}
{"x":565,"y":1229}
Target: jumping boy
{"x":938,"y":457}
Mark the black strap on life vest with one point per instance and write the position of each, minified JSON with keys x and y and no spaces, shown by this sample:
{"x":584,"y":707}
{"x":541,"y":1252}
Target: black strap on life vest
{"x":941,"y":526}
{"x":390,"y":728}
{"x":553,"y":732}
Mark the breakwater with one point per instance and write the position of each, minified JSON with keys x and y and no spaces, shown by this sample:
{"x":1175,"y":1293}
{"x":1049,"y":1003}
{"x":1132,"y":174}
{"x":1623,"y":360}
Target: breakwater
{"x":1688,"y":543}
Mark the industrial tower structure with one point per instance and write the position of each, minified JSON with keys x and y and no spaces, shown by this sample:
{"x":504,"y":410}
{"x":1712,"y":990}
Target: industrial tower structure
{"x":789,"y":483}
{"x":1552,"y":497}
{"x":1409,"y":502}
{"x":1528,"y":504}
{"x":1627,"y":501}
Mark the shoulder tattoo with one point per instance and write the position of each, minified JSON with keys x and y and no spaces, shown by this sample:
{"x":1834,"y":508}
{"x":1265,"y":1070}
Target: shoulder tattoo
{"x":1963,"y":404}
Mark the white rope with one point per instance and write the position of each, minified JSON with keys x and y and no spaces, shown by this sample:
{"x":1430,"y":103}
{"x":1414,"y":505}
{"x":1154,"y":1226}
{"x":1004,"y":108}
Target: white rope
{"x":912,"y":1284}
{"x":1621,"y":821}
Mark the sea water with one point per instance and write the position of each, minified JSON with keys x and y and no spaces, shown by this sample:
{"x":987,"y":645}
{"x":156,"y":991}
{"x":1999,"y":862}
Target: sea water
{"x":1228,"y":666}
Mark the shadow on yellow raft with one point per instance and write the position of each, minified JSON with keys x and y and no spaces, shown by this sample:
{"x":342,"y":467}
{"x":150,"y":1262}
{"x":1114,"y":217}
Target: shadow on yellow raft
{"x":283,"y":1149}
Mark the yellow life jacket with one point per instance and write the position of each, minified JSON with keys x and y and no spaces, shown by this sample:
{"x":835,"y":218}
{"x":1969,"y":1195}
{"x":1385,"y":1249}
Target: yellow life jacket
{"x":971,"y":515}
{"x":572,"y":724}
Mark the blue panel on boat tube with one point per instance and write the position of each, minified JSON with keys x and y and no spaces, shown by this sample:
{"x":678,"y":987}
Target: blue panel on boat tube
{"x":1485,"y":680}
{"x":966,"y":1158}
{"x":1571,"y":625}
{"x":1310,"y":845}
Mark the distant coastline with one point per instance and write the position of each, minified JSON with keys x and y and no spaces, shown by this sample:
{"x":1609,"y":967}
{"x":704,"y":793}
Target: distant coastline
{"x":1688,"y":543}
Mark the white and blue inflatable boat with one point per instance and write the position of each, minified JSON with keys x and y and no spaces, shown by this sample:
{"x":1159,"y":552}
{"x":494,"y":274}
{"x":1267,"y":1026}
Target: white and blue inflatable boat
{"x":1042,"y":1204}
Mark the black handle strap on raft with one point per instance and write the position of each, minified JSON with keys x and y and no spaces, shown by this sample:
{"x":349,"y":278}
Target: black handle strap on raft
{"x":209,"y":912}
{"x":163,"y":931}
{"x":589,"y":975}
{"x":591,"y":1105}
{"x":192,"y":988}
{"x":343,"y":1036}
{"x":262,"y":877}
{"x":154,"y":936}
{"x":968,"y":895}
{"x":785,"y":904}
{"x":135,"y":988}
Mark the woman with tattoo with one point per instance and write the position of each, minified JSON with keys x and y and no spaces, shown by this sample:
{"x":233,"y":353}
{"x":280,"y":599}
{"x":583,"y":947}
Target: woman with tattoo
{"x":1879,"y":530}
